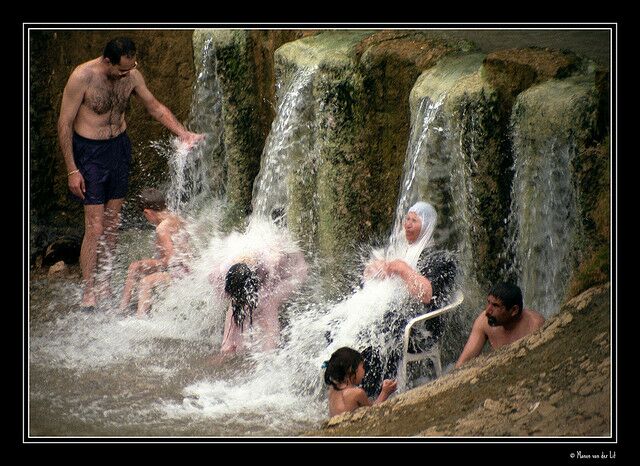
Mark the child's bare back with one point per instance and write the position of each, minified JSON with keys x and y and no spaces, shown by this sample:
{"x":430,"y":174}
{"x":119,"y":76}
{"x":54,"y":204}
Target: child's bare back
{"x":347,"y":399}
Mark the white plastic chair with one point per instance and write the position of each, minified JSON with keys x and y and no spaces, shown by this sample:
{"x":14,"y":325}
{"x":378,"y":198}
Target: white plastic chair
{"x":434,"y":352}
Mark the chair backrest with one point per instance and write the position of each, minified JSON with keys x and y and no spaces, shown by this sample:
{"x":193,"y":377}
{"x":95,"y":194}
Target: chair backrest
{"x":456,"y":300}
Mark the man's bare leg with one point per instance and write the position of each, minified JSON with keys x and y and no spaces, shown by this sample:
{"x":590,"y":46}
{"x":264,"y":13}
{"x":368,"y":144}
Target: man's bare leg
{"x":93,"y":228}
{"x":107,"y":247}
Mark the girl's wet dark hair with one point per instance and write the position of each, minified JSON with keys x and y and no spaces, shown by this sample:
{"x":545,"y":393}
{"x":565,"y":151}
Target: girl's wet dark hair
{"x":242,"y":284}
{"x":343,"y":364}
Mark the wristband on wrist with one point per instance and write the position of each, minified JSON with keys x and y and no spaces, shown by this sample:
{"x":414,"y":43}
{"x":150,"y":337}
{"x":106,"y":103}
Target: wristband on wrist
{"x":73,"y":171}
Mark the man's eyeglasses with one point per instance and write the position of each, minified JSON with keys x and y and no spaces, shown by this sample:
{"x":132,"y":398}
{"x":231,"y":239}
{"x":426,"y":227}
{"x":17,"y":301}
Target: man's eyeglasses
{"x":135,"y":64}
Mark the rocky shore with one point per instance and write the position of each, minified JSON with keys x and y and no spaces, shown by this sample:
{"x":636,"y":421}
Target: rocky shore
{"x":554,"y":383}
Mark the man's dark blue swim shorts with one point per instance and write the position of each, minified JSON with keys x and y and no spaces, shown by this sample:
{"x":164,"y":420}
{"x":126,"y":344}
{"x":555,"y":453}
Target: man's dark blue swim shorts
{"x":104,"y":165}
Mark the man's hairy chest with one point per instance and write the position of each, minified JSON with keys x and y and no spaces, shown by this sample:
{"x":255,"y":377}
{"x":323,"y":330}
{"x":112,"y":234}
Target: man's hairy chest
{"x":106,"y":97}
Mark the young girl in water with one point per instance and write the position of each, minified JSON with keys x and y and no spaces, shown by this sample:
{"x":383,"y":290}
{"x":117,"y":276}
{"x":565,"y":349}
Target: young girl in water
{"x":345,"y":371}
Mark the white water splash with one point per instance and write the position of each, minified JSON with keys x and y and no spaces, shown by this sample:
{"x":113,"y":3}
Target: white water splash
{"x":288,"y":382}
{"x":198,"y":173}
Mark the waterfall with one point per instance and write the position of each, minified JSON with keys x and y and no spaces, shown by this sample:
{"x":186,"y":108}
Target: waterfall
{"x":432,"y":153}
{"x":543,"y":220}
{"x":460,"y":150}
{"x":462,"y":193}
{"x":415,"y":166}
{"x":291,"y":134}
{"x":440,"y":160}
{"x":198,"y":174}
{"x":544,"y":224}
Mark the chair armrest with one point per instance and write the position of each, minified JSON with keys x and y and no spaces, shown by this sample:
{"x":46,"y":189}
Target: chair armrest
{"x":458,"y":297}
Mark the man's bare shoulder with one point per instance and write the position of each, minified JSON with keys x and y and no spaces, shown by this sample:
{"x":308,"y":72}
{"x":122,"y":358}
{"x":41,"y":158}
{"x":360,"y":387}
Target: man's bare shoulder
{"x":85,"y":72}
{"x":536,"y":319}
{"x":137,"y":80}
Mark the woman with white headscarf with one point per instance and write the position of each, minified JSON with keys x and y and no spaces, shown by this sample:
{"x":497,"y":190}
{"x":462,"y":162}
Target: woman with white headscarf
{"x":429,"y":276}
{"x":402,"y":257}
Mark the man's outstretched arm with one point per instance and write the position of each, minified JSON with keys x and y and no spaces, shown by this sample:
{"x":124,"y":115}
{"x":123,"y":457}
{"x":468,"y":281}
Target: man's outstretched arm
{"x":161,"y":112}
{"x":475,"y":343}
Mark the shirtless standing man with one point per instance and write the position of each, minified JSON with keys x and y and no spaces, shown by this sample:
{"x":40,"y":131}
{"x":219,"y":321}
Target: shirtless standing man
{"x":502,"y":322}
{"x":97,"y":149}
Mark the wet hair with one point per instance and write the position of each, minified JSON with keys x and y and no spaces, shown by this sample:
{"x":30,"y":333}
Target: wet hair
{"x":152,"y":198}
{"x":242,"y":284}
{"x":508,"y":293}
{"x":342,"y":365}
{"x":119,"y":47}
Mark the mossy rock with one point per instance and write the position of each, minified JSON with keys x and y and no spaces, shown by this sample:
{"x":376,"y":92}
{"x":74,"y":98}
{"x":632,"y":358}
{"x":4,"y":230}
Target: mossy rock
{"x":514,"y":70}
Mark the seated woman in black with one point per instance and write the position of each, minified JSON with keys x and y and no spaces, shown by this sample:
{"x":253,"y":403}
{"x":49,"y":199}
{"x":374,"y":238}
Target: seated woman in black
{"x":429,"y":276}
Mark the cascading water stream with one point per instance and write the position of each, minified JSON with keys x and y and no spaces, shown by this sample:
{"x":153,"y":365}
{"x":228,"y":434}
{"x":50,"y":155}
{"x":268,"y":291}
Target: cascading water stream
{"x":415,"y":164}
{"x":198,"y":173}
{"x":543,"y":222}
{"x":290,"y":133}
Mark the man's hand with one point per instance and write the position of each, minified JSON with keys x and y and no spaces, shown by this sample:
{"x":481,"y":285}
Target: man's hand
{"x":76,"y":184}
{"x":190,"y":139}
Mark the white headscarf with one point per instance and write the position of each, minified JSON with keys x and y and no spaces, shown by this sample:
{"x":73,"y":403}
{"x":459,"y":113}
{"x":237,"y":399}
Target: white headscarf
{"x":410,"y":252}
